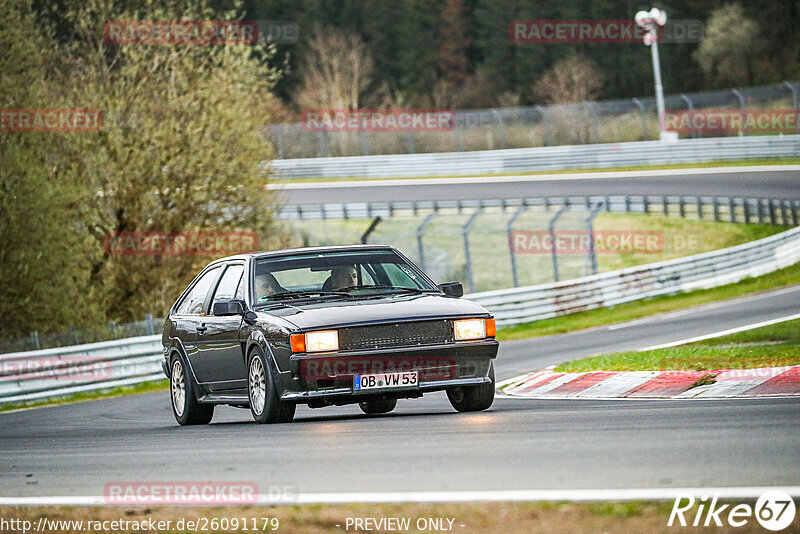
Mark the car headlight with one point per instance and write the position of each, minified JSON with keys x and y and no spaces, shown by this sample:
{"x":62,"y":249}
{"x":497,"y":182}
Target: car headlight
{"x":466,"y":329}
{"x":320,"y":341}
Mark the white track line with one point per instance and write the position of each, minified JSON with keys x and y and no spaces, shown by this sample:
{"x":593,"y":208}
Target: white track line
{"x":529,"y":177}
{"x":703,"y":307}
{"x":613,"y":494}
{"x":723,"y":332}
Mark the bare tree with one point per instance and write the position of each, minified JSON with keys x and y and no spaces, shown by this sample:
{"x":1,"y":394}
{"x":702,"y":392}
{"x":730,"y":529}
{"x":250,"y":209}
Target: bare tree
{"x":337,"y":67}
{"x":574,"y":79}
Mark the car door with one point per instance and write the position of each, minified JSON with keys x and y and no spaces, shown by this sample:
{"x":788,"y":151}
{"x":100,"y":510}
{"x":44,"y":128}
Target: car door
{"x":220,"y":354}
{"x":189,"y":314}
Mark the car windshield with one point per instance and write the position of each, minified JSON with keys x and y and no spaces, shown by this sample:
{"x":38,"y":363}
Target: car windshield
{"x":332,"y":274}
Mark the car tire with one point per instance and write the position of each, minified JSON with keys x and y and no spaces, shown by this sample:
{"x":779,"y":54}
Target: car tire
{"x":183,"y":394}
{"x":377,"y":406}
{"x":265,"y":405}
{"x":473,"y":398}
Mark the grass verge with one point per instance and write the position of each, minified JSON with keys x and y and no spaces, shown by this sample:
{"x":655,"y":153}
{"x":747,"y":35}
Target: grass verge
{"x":707,"y":164}
{"x":635,"y":310}
{"x":122,"y":391}
{"x":769,"y":346}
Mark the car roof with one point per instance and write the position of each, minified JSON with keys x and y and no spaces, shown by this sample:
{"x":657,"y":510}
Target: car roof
{"x":281,"y":252}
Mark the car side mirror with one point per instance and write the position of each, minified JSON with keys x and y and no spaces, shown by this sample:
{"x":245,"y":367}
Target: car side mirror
{"x":452,"y":289}
{"x":228,"y":307}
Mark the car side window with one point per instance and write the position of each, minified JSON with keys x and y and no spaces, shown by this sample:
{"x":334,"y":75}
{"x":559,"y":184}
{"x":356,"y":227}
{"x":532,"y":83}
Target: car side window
{"x":193,"y":302}
{"x":228,"y":284}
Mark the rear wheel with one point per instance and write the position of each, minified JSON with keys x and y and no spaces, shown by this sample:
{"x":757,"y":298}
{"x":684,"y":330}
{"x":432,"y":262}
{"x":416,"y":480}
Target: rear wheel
{"x":473,"y":398}
{"x":185,"y":408}
{"x":376,"y":406}
{"x":265,"y":405}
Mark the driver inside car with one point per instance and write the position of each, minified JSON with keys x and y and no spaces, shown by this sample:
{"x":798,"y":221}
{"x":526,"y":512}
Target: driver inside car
{"x":266,"y":285}
{"x":341,"y":276}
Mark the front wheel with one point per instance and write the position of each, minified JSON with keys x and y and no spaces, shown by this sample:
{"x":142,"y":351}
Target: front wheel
{"x":473,"y":398}
{"x":185,"y":408}
{"x":265,"y":405}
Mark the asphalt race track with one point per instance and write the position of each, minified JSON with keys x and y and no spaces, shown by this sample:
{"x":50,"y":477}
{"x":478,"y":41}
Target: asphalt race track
{"x":763,"y":182}
{"x":425,"y":445}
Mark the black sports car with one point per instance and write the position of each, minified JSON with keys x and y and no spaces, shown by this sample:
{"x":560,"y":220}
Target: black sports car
{"x":323,"y":326}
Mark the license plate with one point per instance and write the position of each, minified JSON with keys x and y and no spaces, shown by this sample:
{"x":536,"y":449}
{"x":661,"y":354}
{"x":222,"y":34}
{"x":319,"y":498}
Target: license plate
{"x":384,"y":380}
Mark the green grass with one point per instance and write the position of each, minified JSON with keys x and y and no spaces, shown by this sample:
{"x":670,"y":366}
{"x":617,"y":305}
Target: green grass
{"x":769,"y":346}
{"x":635,"y":310}
{"x":715,"y":163}
{"x":122,"y":391}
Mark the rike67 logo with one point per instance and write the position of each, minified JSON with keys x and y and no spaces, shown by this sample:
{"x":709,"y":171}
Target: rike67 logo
{"x":774,"y":510}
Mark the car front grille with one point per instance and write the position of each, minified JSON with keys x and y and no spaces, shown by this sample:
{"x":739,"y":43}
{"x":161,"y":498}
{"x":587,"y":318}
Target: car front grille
{"x":406,"y":334}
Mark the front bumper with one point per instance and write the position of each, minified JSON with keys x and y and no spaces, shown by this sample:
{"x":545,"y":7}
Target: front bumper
{"x":436,"y":385}
{"x":440,"y":367}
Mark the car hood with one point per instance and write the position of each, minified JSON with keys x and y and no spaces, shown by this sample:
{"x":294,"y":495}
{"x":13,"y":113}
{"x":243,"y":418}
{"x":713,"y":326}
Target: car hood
{"x":334,"y":314}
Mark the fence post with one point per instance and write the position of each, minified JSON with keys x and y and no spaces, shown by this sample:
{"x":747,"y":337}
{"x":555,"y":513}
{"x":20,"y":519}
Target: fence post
{"x":35,"y":340}
{"x":551,"y":228}
{"x":548,"y":134}
{"x":420,"y":231}
{"x":151,"y":325}
{"x":412,"y":146}
{"x":511,"y":246}
{"x":732,"y":208}
{"x":716,"y":209}
{"x":682,"y":207}
{"x":700,"y":207}
{"x":784,"y":213}
{"x":456,"y":133}
{"x":73,"y":332}
{"x":643,"y":115}
{"x":746,"y":206}
{"x":322,"y":144}
{"x":365,"y":142}
{"x":772,"y":219}
{"x":665,"y":205}
{"x":591,"y":254}
{"x":794,"y":212}
{"x":760,"y":202}
{"x":277,"y":131}
{"x":793,"y":89}
{"x":501,"y":130}
{"x":740,"y":98}
{"x":371,"y":229}
{"x":690,"y":107}
{"x":467,"y":256}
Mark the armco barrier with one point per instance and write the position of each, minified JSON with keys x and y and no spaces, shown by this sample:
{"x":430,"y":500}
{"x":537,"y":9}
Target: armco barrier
{"x":133,"y":360}
{"x":34,"y":375}
{"x":540,"y":158}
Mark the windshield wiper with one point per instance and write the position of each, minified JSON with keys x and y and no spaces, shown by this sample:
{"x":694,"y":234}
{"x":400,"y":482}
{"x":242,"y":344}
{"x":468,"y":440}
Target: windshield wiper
{"x":302,"y":294}
{"x":397,"y":288}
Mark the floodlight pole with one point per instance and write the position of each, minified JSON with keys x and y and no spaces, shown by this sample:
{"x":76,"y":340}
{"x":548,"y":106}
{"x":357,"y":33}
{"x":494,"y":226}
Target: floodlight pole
{"x":657,"y":75}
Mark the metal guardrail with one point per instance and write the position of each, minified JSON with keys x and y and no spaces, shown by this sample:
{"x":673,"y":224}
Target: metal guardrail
{"x":27,"y":376}
{"x":49,"y":373}
{"x":701,"y":271}
{"x":716,"y":208}
{"x":540,"y":158}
